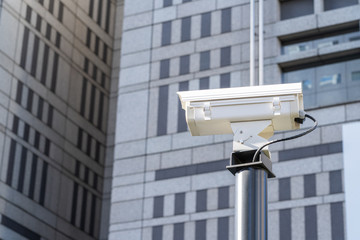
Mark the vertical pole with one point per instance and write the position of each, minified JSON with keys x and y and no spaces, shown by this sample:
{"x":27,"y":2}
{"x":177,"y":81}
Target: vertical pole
{"x":261,"y":42}
{"x":252,"y":42}
{"x":251,"y":204}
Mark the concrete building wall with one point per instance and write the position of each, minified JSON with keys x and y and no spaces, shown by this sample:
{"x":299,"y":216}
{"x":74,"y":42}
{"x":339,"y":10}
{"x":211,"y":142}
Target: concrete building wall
{"x":169,"y":185}
{"x":56,"y":92}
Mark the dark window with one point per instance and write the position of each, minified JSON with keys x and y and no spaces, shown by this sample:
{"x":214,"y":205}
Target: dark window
{"x":61,"y":11}
{"x":166,"y":33}
{"x":157,"y":233}
{"x":100,"y":4}
{"x":201,"y":200}
{"x":334,"y":4}
{"x":225,"y":58}
{"x":182,"y":125}
{"x":51,"y":6}
{"x":296,"y":8}
{"x":45,"y":64}
{"x":108,"y":16}
{"x":335,"y":182}
{"x":19,"y":92}
{"x":158,"y":207}
{"x":162,"y":110}
{"x":23,"y":159}
{"x":35,"y":56}
{"x":18,"y":228}
{"x":91,"y":8}
{"x":205,"y":24}
{"x":204,"y":60}
{"x":225,"y":80}
{"x":309,"y":185}
{"x":164,"y":68}
{"x":223,"y":228}
{"x":54,"y":72}
{"x":285,"y":224}
{"x":167,"y":3}
{"x":184,"y":64}
{"x":179,"y":231}
{"x":226,"y":20}
{"x":223,"y":198}
{"x":204,"y":83}
{"x":38,"y":23}
{"x":24,"y":48}
{"x":179,"y":203}
{"x":200,"y":230}
{"x":28,"y":14}
{"x":284,"y":189}
{"x":185,"y":29}
{"x":184,"y":1}
{"x":310,"y":222}
{"x":337,"y":221}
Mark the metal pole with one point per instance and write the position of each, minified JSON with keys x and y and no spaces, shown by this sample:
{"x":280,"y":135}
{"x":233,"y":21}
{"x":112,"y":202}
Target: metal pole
{"x":251,"y":204}
{"x":261,"y":42}
{"x":252,"y":42}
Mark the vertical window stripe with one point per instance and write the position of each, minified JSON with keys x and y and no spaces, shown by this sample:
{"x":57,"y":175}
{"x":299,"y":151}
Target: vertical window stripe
{"x":54,"y":73}
{"x":310,"y":222}
{"x":181,"y":124}
{"x":51,"y":6}
{"x":83,"y":209}
{"x":99,"y":12}
{"x":223,"y":228}
{"x":185,"y":29}
{"x":158,"y":207}
{"x":162,"y":110}
{"x":101,"y":111}
{"x":226,"y":20}
{"x":201,"y":200}
{"x":179,"y":203}
{"x":337,"y":221}
{"x":19,"y":92}
{"x":24,"y":48}
{"x":45,"y":64}
{"x":83,"y":97}
{"x":39,"y":113}
{"x":223,"y":198}
{"x":43,"y":183}
{"x":157,"y":233}
{"x":33,"y":176}
{"x":285,"y":224}
{"x":107,"y":21}
{"x":35,"y":56}
{"x":206,"y":24}
{"x":92,"y":103}
{"x":10,"y":169}
{"x":30,"y":100}
{"x":74,"y":204}
{"x":179,"y":230}
{"x":92,"y":215}
{"x":225,"y":80}
{"x":20,"y":186}
{"x":200,"y":230}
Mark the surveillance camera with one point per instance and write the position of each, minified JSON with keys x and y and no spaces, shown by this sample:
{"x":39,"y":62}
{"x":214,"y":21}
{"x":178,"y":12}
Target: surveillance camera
{"x":252,"y":114}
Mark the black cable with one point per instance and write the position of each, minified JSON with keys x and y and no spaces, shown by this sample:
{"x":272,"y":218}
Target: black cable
{"x":288,"y":138}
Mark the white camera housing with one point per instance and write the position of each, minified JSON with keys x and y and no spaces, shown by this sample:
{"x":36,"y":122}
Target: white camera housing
{"x":247,"y":112}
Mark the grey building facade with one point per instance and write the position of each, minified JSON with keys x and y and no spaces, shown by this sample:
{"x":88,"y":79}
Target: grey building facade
{"x":94,"y":143}
{"x":55,"y":130}
{"x":169,"y":185}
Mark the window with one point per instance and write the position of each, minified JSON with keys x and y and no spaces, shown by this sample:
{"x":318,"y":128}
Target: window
{"x":225,"y":56}
{"x":226,"y":20}
{"x":185,"y":1}
{"x":167,"y":3}
{"x":204,"y":83}
{"x":205,"y":24}
{"x":184,"y":64}
{"x":225,"y":80}
{"x":330,"y":39}
{"x":295,"y":8}
{"x":334,"y":4}
{"x":185,"y":29}
{"x":284,"y":189}
{"x":182,"y":125}
{"x":166,"y":33}
{"x":328,"y":84}
{"x":204,"y":60}
{"x":164,"y":68}
{"x":162,"y":110}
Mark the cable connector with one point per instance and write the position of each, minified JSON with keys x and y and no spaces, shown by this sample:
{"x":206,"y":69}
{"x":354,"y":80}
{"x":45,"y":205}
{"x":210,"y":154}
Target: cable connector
{"x":301,"y":118}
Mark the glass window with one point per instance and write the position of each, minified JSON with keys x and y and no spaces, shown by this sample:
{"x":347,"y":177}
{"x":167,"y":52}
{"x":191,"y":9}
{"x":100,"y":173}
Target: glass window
{"x":355,"y":76}
{"x":226,"y":20}
{"x":162,"y":110}
{"x":166,"y":33}
{"x":334,"y":4}
{"x":184,"y":64}
{"x":225,"y":58}
{"x":205,"y":24}
{"x":204,"y":60}
{"x":225,"y":80}
{"x":328,"y":84}
{"x":185,"y":29}
{"x":204,"y":83}
{"x":185,"y":1}
{"x":295,"y":8}
{"x":182,"y":125}
{"x":1,"y":2}
{"x":320,"y":43}
{"x":167,"y":3}
{"x":164,"y":68}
